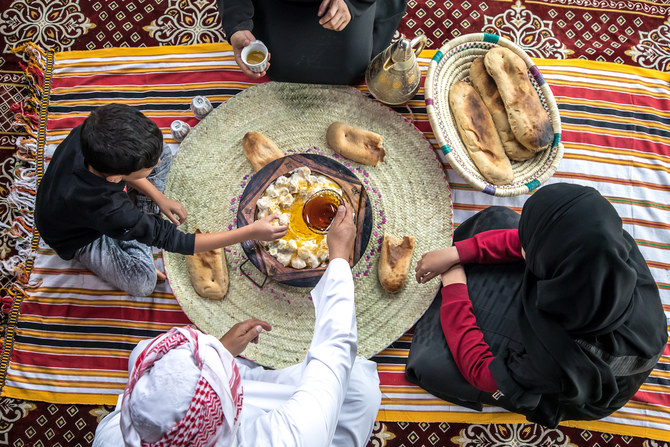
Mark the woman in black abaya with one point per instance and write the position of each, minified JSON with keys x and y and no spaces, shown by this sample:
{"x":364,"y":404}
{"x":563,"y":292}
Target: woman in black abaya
{"x":569,"y":334}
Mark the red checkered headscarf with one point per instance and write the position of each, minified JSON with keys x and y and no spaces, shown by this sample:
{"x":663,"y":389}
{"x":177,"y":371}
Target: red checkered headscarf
{"x":217,"y":400}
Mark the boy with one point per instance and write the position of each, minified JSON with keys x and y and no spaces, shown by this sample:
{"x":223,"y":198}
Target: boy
{"x":83,"y":212}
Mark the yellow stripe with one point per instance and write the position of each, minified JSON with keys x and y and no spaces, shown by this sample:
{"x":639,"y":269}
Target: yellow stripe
{"x":70,"y":372}
{"x":602,"y":78}
{"x":138,"y":61}
{"x":57,"y":335}
{"x":60,"y":397}
{"x":155,"y":87}
{"x":145,"y":51}
{"x":390,"y":368}
{"x":605,"y":66}
{"x":402,"y":389}
{"x":162,"y":327}
{"x":67,"y":383}
{"x":141,"y":101}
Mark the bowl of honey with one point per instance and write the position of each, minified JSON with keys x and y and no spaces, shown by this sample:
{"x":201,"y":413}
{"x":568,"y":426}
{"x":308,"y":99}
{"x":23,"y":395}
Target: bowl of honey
{"x":308,"y":214}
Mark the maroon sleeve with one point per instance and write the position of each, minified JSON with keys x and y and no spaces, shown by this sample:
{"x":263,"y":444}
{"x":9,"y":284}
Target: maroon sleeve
{"x":490,"y":247}
{"x":466,"y":341}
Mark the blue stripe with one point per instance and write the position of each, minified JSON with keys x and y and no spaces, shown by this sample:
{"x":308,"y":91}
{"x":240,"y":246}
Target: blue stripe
{"x":445,"y":149}
{"x":557,"y":139}
{"x":438,"y":56}
{"x":493,"y":38}
{"x":490,"y":190}
{"x":533,"y":185}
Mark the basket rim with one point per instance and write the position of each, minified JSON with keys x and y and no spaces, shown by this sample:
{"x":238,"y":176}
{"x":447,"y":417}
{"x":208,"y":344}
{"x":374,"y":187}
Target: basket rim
{"x":452,"y":150}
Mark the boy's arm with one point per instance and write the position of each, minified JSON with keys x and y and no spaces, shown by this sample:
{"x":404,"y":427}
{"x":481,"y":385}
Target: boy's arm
{"x":261,"y":230}
{"x":172,"y":209}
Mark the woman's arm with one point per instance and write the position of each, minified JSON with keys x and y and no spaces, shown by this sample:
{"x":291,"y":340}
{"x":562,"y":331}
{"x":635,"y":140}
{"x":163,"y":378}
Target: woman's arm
{"x":491,"y":247}
{"x":465,"y":340}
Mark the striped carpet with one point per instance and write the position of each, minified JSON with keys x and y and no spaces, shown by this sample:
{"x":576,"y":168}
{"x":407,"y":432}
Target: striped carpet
{"x":73,"y":333}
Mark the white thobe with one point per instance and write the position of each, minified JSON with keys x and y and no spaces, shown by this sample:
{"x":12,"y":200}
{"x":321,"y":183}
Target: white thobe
{"x":330,"y":399}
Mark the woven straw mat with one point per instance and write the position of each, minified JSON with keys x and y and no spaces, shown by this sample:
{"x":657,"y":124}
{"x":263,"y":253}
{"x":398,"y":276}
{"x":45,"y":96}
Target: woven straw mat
{"x":409,"y":194}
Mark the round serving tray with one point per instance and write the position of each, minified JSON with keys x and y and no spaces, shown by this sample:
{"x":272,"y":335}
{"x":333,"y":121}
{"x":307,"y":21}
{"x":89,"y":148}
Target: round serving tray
{"x":352,"y":189}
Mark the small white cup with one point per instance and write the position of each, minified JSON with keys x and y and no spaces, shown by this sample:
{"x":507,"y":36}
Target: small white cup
{"x":256,"y":45}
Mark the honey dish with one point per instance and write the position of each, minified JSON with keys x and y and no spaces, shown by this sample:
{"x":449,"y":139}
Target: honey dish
{"x":283,"y":187}
{"x":286,"y":197}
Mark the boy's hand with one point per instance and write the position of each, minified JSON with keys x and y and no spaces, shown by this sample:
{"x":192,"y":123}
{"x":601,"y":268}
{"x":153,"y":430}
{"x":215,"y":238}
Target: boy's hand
{"x":173,"y":210}
{"x":265,"y":230}
{"x":334,"y":14}
{"x":243,"y":333}
{"x":341,"y":234}
{"x":239,"y":40}
{"x":435,"y":263}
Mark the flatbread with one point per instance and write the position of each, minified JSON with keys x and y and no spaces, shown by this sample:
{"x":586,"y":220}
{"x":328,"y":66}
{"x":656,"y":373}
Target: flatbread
{"x":394,"y":262}
{"x":208,"y":273}
{"x":260,"y":150}
{"x":356,"y":144}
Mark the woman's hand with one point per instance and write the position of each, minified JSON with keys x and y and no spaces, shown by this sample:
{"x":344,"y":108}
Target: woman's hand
{"x":243,"y":333}
{"x":266,"y":230}
{"x":435,"y":263}
{"x":334,"y":14}
{"x":173,"y":210}
{"x":239,"y":40}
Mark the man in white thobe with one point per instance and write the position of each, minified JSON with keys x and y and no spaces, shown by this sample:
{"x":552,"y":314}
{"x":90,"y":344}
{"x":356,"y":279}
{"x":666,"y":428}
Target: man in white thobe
{"x":188,"y":389}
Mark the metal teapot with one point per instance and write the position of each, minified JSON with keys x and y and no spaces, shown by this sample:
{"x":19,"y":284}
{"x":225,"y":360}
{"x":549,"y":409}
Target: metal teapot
{"x":393,"y":76}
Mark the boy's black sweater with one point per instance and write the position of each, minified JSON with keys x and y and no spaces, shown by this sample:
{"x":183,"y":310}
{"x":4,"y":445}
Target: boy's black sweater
{"x":74,"y":207}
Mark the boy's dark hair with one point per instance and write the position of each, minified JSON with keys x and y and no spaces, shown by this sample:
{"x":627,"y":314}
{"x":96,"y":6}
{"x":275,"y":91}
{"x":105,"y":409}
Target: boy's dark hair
{"x":117,"y":139}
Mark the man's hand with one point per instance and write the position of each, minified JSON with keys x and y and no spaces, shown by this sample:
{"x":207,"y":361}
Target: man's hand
{"x":173,"y":210}
{"x":239,"y":40}
{"x":341,"y":234}
{"x":266,"y":230}
{"x":435,"y":263}
{"x":334,"y":14}
{"x":243,"y":333}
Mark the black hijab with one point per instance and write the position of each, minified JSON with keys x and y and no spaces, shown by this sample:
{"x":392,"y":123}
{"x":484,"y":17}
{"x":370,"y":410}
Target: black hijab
{"x":591,"y":318}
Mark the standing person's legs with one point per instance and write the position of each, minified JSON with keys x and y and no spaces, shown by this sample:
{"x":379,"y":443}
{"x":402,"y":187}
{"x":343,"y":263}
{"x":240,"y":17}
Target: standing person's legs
{"x":127,"y":265}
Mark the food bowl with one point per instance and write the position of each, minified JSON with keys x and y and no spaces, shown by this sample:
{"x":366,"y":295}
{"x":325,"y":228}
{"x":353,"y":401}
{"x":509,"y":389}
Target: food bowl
{"x":450,"y":64}
{"x":352,"y":191}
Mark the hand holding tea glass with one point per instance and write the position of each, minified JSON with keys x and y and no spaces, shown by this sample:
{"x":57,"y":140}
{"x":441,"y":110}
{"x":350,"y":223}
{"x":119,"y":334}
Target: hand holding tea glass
{"x":239,"y":40}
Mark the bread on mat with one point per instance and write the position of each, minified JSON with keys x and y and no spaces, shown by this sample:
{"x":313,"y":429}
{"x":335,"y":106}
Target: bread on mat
{"x":488,"y":90}
{"x":260,"y":150}
{"x":528,"y":119}
{"x":356,"y":144}
{"x":479,"y":135}
{"x":394,"y":262}
{"x":208,"y":273}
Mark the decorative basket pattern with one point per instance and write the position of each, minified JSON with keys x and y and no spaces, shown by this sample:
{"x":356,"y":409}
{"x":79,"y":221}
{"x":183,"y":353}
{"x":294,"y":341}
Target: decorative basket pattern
{"x":450,"y":64}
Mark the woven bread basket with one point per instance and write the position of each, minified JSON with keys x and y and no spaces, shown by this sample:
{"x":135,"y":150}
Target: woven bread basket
{"x":450,"y":64}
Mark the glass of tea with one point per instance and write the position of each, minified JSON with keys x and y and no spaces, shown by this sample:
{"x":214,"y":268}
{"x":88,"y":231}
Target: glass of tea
{"x":255,"y":56}
{"x":320,"y":209}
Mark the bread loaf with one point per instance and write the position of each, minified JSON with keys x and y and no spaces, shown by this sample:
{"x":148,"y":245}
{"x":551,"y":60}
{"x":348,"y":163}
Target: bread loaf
{"x":356,"y":144}
{"x":484,"y":84}
{"x":527,"y":118}
{"x":260,"y":150}
{"x":208,"y":273}
{"x":394,"y":262}
{"x":478,"y":134}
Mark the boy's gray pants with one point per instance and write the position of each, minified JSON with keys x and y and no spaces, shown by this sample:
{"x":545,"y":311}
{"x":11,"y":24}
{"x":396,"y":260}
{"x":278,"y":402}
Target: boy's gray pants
{"x":128,"y":265}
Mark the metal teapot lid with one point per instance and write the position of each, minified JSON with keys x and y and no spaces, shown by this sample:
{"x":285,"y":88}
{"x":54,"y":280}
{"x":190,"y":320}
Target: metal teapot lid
{"x":402,"y":51}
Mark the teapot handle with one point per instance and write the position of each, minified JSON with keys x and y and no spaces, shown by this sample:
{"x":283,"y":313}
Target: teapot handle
{"x":421,"y":41}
